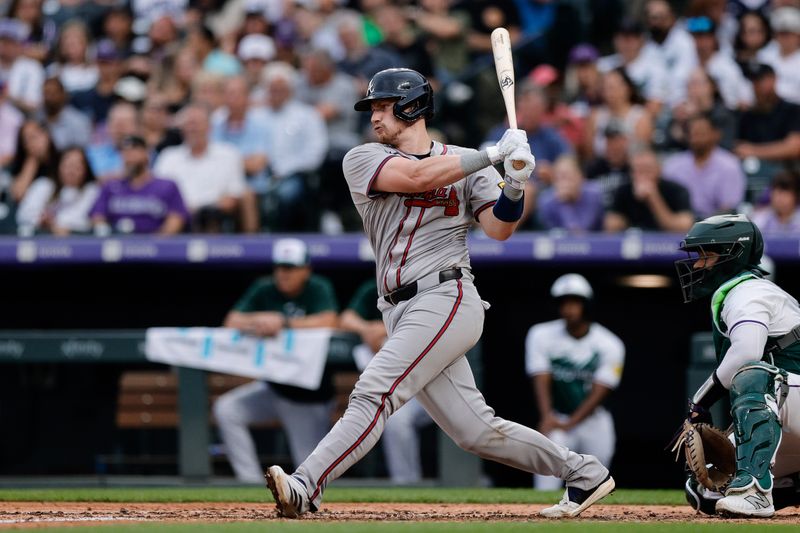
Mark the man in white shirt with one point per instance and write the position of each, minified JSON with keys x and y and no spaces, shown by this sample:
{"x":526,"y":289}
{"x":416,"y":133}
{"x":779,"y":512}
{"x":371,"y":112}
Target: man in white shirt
{"x":783,"y":53}
{"x":24,"y":76}
{"x":674,"y":43}
{"x":298,"y":145}
{"x":209,"y":175}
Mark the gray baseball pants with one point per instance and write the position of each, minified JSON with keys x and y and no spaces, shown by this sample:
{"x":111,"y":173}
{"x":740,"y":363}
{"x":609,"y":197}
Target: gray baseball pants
{"x":424,"y":357}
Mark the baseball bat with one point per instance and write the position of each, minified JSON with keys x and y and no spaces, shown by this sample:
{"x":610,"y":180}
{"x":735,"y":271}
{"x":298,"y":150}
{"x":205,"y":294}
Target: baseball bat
{"x":504,"y":64}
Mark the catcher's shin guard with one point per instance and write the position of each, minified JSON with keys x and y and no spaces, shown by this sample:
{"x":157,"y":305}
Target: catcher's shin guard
{"x":757,"y":430}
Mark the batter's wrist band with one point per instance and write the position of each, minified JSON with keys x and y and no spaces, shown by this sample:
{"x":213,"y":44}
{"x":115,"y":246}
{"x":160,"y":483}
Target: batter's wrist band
{"x":474,"y":161}
{"x":506,"y":209}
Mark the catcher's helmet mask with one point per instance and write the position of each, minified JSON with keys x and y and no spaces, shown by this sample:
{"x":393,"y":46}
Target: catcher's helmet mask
{"x":411,"y":91}
{"x":737,"y":243}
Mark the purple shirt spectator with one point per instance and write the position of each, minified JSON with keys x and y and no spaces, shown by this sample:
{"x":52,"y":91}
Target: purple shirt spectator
{"x":584,"y":214}
{"x":768,"y":221}
{"x":717,"y":185}
{"x":143,"y":210}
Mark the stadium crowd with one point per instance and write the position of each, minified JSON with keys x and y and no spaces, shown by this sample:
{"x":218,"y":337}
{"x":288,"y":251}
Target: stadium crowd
{"x":171,"y":116}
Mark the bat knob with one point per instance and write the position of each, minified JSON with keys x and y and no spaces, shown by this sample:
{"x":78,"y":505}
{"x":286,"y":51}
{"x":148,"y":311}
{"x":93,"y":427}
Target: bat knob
{"x":518,"y":165}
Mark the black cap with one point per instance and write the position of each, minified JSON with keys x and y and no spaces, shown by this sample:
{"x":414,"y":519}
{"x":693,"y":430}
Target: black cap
{"x":615,"y":129}
{"x":132,"y":141}
{"x":756,"y":71}
{"x":630,"y":26}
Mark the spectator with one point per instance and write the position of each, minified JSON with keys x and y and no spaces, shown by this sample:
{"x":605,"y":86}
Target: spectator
{"x":571,"y":203}
{"x":612,"y":168}
{"x":41,"y":32}
{"x":105,"y":156}
{"x":485,"y":16}
{"x":582,"y":81}
{"x":558,"y":114}
{"x":163,"y":36}
{"x":702,"y":97}
{"x":36,"y":157}
{"x":648,"y":202}
{"x":292,"y":124}
{"x":97,"y":101}
{"x":139,"y":202}
{"x":402,"y":39}
{"x":783,"y":54}
{"x":574,"y":363}
{"x":210,"y":175}
{"x":622,"y":106}
{"x":753,"y":35}
{"x":173,"y":78}
{"x":444,"y":30}
{"x":783,"y":213}
{"x":361,"y":61}
{"x":712,"y":175}
{"x":317,"y":29}
{"x":24,"y":76}
{"x":549,"y":144}
{"x":255,"y":51}
{"x":11,"y":120}
{"x":212,"y":59}
{"x":735,"y":90}
{"x":60,"y":206}
{"x":770,"y":130}
{"x":401,"y":434}
{"x":118,"y":28}
{"x":644,"y":65}
{"x":156,"y":127}
{"x":208,"y":89}
{"x":293,"y":298}
{"x":72,"y":64}
{"x":332,"y":93}
{"x":673,"y":42}
{"x":67,"y":125}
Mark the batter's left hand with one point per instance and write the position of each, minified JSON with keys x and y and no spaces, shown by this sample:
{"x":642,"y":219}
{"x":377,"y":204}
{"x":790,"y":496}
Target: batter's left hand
{"x":517,"y":177}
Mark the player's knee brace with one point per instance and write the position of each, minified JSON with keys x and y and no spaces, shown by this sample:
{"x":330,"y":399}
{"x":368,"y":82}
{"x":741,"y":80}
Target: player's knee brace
{"x":754,"y":408}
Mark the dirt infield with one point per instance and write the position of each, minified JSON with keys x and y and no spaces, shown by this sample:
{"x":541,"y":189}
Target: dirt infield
{"x":39,"y":514}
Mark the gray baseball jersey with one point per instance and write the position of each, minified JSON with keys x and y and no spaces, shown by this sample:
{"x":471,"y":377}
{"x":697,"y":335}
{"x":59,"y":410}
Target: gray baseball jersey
{"x":414,"y":235}
{"x":418,"y":233}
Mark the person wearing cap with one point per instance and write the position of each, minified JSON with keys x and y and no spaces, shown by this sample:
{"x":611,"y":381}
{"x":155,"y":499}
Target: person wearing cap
{"x":97,"y":101}
{"x":558,"y":114}
{"x":783,"y":53}
{"x":770,"y":130}
{"x":139,"y":202}
{"x":735,"y":90}
{"x":644,"y":65}
{"x":255,"y":51}
{"x":24,"y":76}
{"x":674,"y":43}
{"x":713,"y":175}
{"x":612,"y":168}
{"x":582,"y":80}
{"x":67,"y":125}
{"x":291,"y":298}
{"x":104,"y":154}
{"x":11,"y":120}
{"x":574,"y":363}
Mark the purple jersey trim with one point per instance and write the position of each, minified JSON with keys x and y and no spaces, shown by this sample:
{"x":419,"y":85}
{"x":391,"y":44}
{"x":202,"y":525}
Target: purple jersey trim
{"x":745,"y":321}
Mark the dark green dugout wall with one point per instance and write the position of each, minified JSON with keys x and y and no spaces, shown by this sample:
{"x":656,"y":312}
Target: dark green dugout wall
{"x":56,"y":418}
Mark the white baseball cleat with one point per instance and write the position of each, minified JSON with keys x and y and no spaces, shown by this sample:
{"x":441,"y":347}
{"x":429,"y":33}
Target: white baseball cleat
{"x":751,"y":502}
{"x":576,"y":500}
{"x":290,"y":496}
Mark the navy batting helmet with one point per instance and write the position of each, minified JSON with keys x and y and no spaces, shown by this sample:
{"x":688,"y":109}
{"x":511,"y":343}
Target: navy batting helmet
{"x":412,"y":91}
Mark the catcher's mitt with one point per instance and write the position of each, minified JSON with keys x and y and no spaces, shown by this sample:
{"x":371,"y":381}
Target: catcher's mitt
{"x":710,"y":455}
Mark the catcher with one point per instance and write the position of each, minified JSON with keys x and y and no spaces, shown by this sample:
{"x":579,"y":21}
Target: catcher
{"x":756,"y":329}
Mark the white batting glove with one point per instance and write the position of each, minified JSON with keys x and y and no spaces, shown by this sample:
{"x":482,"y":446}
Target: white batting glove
{"x":517,"y":178}
{"x":511,"y":140}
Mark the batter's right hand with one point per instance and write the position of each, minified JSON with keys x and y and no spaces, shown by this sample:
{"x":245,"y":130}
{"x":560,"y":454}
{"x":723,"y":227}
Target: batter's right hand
{"x":512,"y":140}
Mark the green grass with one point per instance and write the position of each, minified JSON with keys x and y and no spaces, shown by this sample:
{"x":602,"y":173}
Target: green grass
{"x":334,"y":494}
{"x":440,"y":527}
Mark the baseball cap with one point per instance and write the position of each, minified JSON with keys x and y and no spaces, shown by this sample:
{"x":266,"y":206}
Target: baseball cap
{"x":289,"y":252}
{"x":700,"y":25}
{"x":785,"y":19}
{"x":583,"y":53}
{"x":756,"y":71}
{"x":630,"y":26}
{"x":106,"y":50}
{"x":614,"y":129}
{"x":132,"y":141}
{"x":543,"y":75}
{"x":255,"y":46}
{"x":13,"y":30}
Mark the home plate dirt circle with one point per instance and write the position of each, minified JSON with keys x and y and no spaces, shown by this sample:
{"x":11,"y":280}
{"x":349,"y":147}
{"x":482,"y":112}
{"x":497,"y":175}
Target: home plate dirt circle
{"x":48,"y":514}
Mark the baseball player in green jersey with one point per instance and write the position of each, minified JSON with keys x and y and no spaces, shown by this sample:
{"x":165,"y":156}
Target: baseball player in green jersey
{"x":574,"y":363}
{"x":756,"y":328}
{"x":417,"y":199}
{"x":400,"y":437}
{"x":293,"y":297}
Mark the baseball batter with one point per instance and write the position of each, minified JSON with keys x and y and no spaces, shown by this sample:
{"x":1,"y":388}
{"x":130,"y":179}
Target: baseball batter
{"x":417,"y":199}
{"x":756,"y":328}
{"x":574,"y":363}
